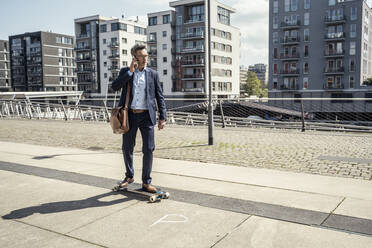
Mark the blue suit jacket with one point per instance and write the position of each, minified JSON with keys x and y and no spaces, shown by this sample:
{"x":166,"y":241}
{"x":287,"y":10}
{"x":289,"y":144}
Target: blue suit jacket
{"x":153,"y":89}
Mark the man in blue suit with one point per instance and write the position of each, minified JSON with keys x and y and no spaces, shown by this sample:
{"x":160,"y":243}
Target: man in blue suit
{"x":145,"y":88}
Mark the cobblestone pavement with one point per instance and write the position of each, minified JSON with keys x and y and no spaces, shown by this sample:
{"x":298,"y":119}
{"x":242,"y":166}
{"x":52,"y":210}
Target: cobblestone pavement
{"x":326,"y":153}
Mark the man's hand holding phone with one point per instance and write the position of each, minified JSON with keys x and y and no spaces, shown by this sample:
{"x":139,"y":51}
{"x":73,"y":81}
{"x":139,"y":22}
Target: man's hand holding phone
{"x":134,"y":64}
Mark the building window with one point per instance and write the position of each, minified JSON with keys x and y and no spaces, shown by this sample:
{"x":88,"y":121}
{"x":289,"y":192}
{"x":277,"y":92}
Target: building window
{"x":165,"y":59}
{"x":124,"y":40}
{"x":123,"y":26}
{"x":352,"y":48}
{"x":306,"y":51}
{"x":104,"y":52}
{"x":165,"y":72}
{"x":306,"y":34}
{"x":125,"y":63}
{"x":294,"y":5}
{"x":286,"y":5}
{"x":306,"y":4}
{"x":153,"y":21}
{"x":166,"y":19}
{"x":105,"y":64}
{"x":352,"y":65}
{"x":223,"y":15}
{"x":351,"y":81}
{"x":306,"y":67}
{"x":104,"y":41}
{"x":164,"y":46}
{"x":114,"y":27}
{"x":331,"y":2}
{"x":103,"y":28}
{"x":275,"y":22}
{"x":306,"y":19}
{"x":124,"y":52}
{"x":275,"y":52}
{"x":275,"y":83}
{"x":275,"y":37}
{"x":164,"y":33}
{"x":275,"y":8}
{"x":352,"y":30}
{"x":105,"y":75}
{"x":275,"y":68}
{"x":305,"y":83}
{"x":139,"y":30}
{"x":353,"y":13}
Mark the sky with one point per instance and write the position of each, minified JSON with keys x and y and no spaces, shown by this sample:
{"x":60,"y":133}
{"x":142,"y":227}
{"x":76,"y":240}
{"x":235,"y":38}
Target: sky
{"x":22,"y":16}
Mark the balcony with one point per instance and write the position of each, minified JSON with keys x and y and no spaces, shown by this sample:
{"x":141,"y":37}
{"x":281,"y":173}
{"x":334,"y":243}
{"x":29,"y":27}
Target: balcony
{"x":190,"y":63}
{"x":334,"y":71}
{"x":173,"y":51}
{"x":82,"y":48}
{"x":290,"y":25}
{"x":193,"y":50}
{"x":192,"y":35}
{"x":334,"y":19}
{"x":333,"y":86}
{"x":334,"y":36}
{"x":193,"y":77}
{"x":289,"y":72}
{"x":151,"y":40}
{"x":295,"y":56}
{"x":83,"y":70}
{"x":173,"y":38}
{"x":290,"y":87}
{"x":290,"y":40}
{"x":333,"y":53}
{"x":194,"y":19}
{"x":82,"y":36}
{"x":153,"y":52}
{"x":84,"y":59}
{"x":114,"y":68}
{"x":114,"y":56}
{"x":114,"y":44}
{"x":153,"y":64}
{"x":193,"y":90}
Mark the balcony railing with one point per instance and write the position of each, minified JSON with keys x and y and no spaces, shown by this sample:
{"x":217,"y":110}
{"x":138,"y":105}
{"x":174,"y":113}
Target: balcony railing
{"x":290,"y":72}
{"x":289,"y":87}
{"x":114,"y":56}
{"x":193,"y":89}
{"x":193,"y":62}
{"x":192,"y":35}
{"x":83,"y":59}
{"x":334,"y":53}
{"x":82,"y":48}
{"x":82,"y":36}
{"x":153,"y":52}
{"x":195,"y":19}
{"x":334,"y":19}
{"x":193,"y":50}
{"x":331,"y":86}
{"x":152,"y":64}
{"x":290,"y":24}
{"x":294,"y":56}
{"x":114,"y":68}
{"x":114,"y":44}
{"x":335,"y":36}
{"x":335,"y":70}
{"x":290,"y":40}
{"x":193,"y":76}
{"x":151,"y":40}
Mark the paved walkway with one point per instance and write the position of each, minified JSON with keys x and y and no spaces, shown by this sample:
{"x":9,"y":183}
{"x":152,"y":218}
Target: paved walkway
{"x":325,"y":153}
{"x":61,"y":197}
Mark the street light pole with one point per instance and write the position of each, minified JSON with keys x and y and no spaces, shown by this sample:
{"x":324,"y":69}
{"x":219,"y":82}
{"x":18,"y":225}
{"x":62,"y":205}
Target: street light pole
{"x":210,"y":106}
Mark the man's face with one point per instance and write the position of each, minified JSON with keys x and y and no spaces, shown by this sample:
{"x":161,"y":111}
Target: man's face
{"x":142,"y":57}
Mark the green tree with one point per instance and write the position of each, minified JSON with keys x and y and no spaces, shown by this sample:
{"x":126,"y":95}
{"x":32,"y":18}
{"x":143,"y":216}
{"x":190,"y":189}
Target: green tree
{"x":253,"y":86}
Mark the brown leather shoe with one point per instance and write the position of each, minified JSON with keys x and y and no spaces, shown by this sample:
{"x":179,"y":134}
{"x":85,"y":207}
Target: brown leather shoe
{"x":149,"y":188}
{"x":126,"y":182}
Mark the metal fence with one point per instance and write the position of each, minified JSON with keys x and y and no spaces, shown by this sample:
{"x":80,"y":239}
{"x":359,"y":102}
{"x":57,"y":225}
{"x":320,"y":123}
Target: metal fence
{"x":329,"y":114}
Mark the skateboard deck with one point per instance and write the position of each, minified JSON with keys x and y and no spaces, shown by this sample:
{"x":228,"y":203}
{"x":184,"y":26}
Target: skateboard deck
{"x":152,"y":197}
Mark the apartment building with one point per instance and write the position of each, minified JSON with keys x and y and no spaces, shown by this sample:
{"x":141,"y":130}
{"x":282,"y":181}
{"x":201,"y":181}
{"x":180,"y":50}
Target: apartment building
{"x":42,"y":61}
{"x":320,"y":49}
{"x":186,"y":46}
{"x":261,"y":72}
{"x":102,"y":48}
{"x":5,"y":79}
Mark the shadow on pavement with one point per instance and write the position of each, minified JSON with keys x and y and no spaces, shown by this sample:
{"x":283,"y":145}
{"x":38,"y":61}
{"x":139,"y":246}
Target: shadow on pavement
{"x":56,"y":207}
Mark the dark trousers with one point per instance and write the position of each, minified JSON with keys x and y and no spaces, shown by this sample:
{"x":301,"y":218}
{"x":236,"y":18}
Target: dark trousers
{"x":142,"y":122}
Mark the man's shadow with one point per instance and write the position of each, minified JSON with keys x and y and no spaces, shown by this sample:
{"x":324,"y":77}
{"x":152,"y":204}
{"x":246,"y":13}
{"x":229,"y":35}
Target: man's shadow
{"x":56,"y":207}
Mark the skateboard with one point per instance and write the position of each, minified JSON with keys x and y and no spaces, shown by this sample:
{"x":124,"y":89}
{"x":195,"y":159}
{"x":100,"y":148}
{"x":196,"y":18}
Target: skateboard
{"x":153,"y":197}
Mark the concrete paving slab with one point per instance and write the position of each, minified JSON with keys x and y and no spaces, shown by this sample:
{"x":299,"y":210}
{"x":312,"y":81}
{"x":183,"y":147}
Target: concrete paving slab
{"x":259,"y":232}
{"x":19,"y":235}
{"x":349,"y":223}
{"x":167,"y":224}
{"x":58,"y":205}
{"x":356,"y":208}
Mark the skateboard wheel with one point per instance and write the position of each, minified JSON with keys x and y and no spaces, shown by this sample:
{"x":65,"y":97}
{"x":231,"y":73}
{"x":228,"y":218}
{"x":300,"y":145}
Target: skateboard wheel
{"x":166,"y":195}
{"x":116,"y":188}
{"x":152,"y":198}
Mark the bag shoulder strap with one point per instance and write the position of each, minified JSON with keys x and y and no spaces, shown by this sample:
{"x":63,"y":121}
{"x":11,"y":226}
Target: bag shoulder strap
{"x":127,"y":97}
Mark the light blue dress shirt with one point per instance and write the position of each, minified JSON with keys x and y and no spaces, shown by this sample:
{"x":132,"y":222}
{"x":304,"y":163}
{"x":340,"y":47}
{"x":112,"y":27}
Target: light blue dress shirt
{"x":139,"y":92}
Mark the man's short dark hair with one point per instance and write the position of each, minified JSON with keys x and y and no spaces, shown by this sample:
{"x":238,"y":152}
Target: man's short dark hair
{"x":137,"y":47}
